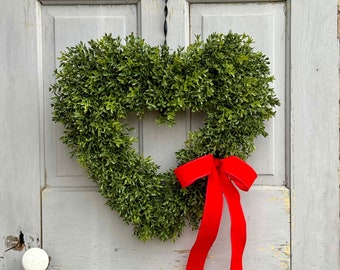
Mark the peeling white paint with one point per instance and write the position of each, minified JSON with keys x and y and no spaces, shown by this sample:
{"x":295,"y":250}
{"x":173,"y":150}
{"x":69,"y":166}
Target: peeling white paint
{"x":282,"y":253}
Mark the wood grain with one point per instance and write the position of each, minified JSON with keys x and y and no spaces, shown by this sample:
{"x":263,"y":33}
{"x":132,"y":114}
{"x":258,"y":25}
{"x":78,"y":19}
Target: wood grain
{"x":86,"y":234}
{"x":314,"y":134}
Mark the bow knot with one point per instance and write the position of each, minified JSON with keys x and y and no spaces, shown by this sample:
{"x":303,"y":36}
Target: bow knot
{"x":217,"y":163}
{"x":223,"y":175}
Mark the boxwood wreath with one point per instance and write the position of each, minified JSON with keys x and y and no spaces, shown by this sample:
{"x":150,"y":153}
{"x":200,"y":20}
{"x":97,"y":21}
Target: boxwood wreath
{"x":100,"y":83}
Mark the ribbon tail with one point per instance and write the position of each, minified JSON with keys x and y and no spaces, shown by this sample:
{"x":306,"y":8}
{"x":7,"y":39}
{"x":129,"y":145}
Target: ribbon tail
{"x":209,"y":225}
{"x":238,"y":230}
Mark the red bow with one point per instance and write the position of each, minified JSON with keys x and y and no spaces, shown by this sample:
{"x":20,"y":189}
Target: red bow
{"x":221,"y":173}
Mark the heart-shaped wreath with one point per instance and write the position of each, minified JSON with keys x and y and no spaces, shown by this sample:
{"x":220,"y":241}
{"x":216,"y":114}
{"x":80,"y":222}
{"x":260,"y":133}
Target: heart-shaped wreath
{"x":100,"y":83}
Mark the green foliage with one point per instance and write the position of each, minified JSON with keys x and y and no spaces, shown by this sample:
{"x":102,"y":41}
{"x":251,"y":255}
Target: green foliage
{"x":100,"y":83}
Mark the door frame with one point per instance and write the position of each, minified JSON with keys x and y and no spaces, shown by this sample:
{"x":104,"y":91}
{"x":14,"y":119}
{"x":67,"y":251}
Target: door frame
{"x":313,"y":134}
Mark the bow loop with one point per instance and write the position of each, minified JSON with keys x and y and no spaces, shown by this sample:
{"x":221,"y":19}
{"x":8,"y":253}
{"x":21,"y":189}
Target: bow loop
{"x":194,"y":170}
{"x":239,"y":171}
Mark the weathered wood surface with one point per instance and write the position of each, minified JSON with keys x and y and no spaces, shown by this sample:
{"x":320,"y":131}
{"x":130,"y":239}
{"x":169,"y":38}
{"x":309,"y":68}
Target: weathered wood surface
{"x":83,"y":233}
{"x":314,"y":135}
{"x":20,"y":163}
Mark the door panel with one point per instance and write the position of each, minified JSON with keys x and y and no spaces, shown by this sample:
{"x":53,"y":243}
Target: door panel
{"x":160,"y":141}
{"x":265,"y":23}
{"x":79,"y":230}
{"x":65,"y":26}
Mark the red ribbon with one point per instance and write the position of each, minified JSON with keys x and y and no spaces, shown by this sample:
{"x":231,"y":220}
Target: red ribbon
{"x":221,"y":173}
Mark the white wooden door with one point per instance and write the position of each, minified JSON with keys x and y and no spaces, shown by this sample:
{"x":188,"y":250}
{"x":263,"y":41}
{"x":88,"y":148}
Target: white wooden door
{"x":78,"y":230}
{"x":69,"y":219}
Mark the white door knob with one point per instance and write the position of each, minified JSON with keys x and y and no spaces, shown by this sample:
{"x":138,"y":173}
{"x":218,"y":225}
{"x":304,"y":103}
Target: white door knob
{"x":35,"y":259}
